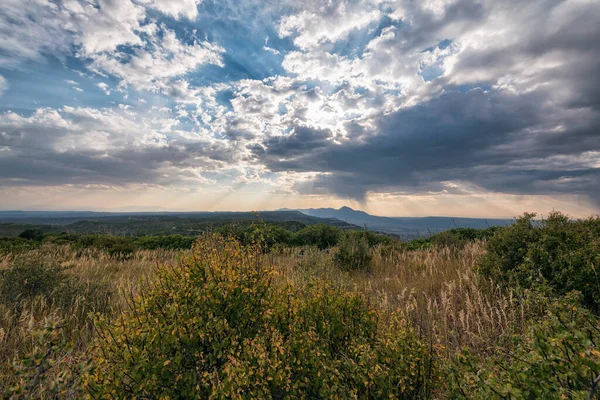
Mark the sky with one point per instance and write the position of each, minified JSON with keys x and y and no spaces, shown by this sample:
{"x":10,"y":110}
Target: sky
{"x":409,"y":108}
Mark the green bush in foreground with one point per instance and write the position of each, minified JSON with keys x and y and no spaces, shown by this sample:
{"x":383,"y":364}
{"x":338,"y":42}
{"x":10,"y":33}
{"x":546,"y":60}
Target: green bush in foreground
{"x":557,"y":251}
{"x":556,"y":359}
{"x":221,"y":324}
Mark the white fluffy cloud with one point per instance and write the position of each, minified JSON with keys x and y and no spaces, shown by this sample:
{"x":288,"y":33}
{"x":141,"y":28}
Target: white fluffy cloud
{"x":163,"y":58}
{"x":114,"y":36}
{"x":326,"y":24}
{"x":29,"y":29}
{"x":175,"y":8}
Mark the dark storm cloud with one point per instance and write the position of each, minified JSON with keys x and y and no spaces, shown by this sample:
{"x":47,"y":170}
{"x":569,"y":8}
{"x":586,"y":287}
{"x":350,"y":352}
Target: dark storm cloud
{"x":498,"y":141}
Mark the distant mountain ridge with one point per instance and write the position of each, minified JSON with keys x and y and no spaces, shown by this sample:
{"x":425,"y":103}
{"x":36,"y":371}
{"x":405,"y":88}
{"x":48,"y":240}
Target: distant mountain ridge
{"x":147,"y":223}
{"x":407,"y":227}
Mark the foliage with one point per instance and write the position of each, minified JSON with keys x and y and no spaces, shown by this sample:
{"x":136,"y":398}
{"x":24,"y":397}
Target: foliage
{"x":268,"y":235}
{"x":221,"y":324}
{"x":557,"y":251}
{"x":43,"y":372}
{"x":419,"y":244}
{"x":319,"y":235}
{"x":11,"y":245}
{"x":449,"y":239}
{"x":556,"y":359}
{"x":170,"y":242}
{"x":116,"y":246}
{"x":454,"y":238}
{"x":353,"y":252}
{"x":27,"y":279}
{"x":32,"y":234}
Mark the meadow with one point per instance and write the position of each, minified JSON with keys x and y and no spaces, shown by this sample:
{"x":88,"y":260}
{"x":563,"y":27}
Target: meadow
{"x":321,"y":312}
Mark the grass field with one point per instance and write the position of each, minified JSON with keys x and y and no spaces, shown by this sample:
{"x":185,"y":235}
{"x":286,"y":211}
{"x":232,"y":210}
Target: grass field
{"x":53,"y":325}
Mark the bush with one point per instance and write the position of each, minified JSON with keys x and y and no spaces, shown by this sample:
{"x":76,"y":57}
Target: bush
{"x":419,"y":244}
{"x":449,"y":239}
{"x":353,"y":253}
{"x":556,"y":359}
{"x":15,"y":245}
{"x":116,"y":246}
{"x":267,"y":235}
{"x":25,"y":281}
{"x":32,"y":234}
{"x":170,"y":242}
{"x":557,"y":251}
{"x":221,"y":325}
{"x":319,"y":235}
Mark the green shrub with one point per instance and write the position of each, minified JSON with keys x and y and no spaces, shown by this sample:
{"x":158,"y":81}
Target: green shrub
{"x":560,"y":252}
{"x":557,"y":358}
{"x":25,"y":281}
{"x":353,"y":253}
{"x":419,"y":244}
{"x":170,"y":242}
{"x":319,"y":235}
{"x":61,"y":238}
{"x":267,"y":235}
{"x":472,"y":234}
{"x":32,"y":234}
{"x":116,"y":246}
{"x":10,"y":245}
{"x":449,"y":239}
{"x":222,"y":325}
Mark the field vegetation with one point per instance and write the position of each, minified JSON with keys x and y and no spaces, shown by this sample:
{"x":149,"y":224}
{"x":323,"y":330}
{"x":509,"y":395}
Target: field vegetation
{"x":261,"y":311}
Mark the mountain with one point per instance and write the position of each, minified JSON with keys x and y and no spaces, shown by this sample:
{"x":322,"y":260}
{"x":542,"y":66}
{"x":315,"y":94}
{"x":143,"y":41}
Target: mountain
{"x":405,"y":227}
{"x":149,"y":223}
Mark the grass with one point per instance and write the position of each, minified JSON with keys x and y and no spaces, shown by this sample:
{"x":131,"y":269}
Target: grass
{"x":437,"y":290}
{"x":102,"y":283}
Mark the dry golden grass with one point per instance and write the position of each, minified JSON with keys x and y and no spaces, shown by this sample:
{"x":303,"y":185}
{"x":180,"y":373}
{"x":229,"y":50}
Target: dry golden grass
{"x":437,"y":289}
{"x":112,"y":278}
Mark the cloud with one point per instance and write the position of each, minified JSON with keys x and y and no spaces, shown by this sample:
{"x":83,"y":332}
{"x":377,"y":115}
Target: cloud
{"x":499,"y":142}
{"x":29,"y":29}
{"x":346,"y":98}
{"x":103,"y":146}
{"x":163,"y":58}
{"x":327,"y":23}
{"x":104,"y":87}
{"x":114,"y":37}
{"x":176,"y":8}
{"x":3,"y":85}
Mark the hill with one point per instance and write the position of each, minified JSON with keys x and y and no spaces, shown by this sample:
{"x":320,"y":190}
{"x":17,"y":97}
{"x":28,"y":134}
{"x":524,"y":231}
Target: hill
{"x":150,"y":223}
{"x":405,"y":227}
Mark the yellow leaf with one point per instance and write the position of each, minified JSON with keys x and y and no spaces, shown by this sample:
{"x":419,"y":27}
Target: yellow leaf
{"x":166,"y":363}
